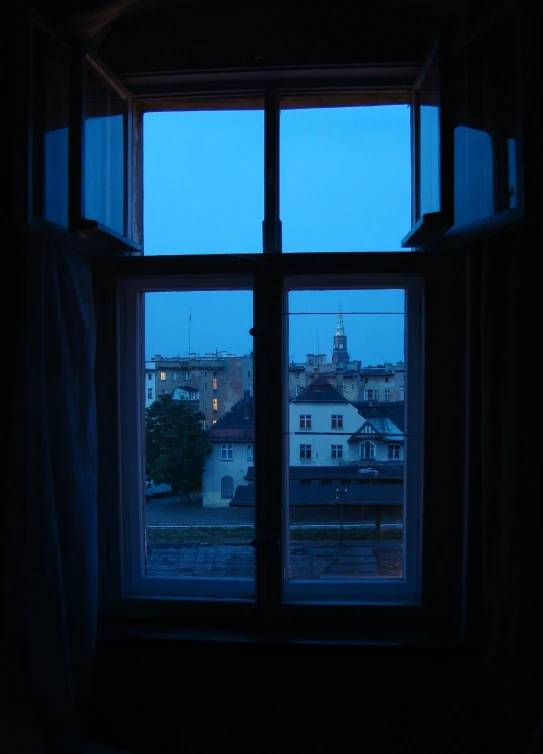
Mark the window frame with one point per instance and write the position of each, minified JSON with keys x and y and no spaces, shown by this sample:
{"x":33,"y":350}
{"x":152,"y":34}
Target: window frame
{"x":305,"y":422}
{"x":268,"y":314}
{"x":337,"y":421}
{"x":227,"y":451}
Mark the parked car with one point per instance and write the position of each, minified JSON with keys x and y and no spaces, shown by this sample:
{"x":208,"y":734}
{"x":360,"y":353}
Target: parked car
{"x":152,"y":489}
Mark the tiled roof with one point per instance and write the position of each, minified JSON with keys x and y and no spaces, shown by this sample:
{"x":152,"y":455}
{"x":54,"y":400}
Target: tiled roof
{"x":236,"y":425}
{"x":319,"y":494}
{"x":384,"y":469}
{"x":320,"y":391}
{"x":393,"y":410}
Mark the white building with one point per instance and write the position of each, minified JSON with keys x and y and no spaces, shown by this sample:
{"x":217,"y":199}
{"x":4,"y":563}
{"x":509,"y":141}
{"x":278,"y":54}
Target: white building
{"x":325,"y":429}
{"x":232,"y":439}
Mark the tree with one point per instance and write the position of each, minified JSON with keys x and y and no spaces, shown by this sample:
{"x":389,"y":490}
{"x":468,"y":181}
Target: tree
{"x":176,"y":445}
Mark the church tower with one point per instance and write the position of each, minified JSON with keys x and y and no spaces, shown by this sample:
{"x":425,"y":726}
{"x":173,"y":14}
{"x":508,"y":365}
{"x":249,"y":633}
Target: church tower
{"x":339,"y":354}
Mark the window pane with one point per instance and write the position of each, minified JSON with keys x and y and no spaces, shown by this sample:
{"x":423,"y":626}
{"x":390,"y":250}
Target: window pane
{"x":429,"y":158}
{"x":204,"y":182}
{"x":485,"y":132}
{"x":345,"y":178}
{"x":104,"y":153}
{"x":346,"y":488}
{"x":199,"y":509}
{"x":50,"y":121}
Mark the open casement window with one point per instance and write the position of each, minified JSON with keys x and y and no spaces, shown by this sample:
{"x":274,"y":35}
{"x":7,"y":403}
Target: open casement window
{"x":466,"y":136}
{"x":84,"y":147}
{"x":432,"y":150}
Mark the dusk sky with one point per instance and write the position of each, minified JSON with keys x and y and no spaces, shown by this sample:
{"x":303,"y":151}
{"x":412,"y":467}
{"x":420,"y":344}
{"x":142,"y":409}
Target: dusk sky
{"x":345,"y":186}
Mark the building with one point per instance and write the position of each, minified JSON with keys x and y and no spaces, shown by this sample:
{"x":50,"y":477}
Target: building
{"x":384,"y":382}
{"x":232,"y":439}
{"x":214,"y":382}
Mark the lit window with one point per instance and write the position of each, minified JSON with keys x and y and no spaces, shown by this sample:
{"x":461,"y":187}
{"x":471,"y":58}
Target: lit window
{"x":305,"y":452}
{"x":163,"y":376}
{"x":305,"y":421}
{"x":367,"y":450}
{"x":337,"y":421}
{"x":250,"y":452}
{"x":337,"y":452}
{"x":387,"y":395}
{"x":214,"y":421}
{"x":215,"y":404}
{"x":393,"y":451}
{"x":227,"y":452}
{"x":215,"y":383}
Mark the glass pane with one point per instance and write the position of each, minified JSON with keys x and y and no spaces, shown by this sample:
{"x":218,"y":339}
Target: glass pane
{"x":104,"y":153}
{"x":485,"y":132}
{"x":429,"y":159}
{"x":51,"y":120}
{"x":199,"y":508}
{"x":203,"y":182}
{"x":346,"y":436}
{"x":345,"y":178}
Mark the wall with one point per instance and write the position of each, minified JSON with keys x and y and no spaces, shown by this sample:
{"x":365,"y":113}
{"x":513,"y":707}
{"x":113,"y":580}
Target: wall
{"x":216,"y":468}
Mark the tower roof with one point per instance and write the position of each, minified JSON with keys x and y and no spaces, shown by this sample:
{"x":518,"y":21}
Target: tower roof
{"x":340,"y":328}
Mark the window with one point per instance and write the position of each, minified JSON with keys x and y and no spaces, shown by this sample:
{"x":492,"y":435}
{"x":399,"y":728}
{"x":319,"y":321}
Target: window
{"x":367,"y":450}
{"x":305,"y":452}
{"x":393,"y":451}
{"x":337,"y":452}
{"x":214,"y":383}
{"x":205,"y":385}
{"x":163,"y":376}
{"x":375,"y":395}
{"x":227,"y":452}
{"x":387,"y":395}
{"x":287,"y":290}
{"x":149,"y":376}
{"x":227,"y":487}
{"x":149,"y":393}
{"x":214,"y":421}
{"x":174,"y":375}
{"x":386,"y":379}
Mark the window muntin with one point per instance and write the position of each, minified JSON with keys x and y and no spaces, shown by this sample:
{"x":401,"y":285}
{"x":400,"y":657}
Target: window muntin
{"x":227,"y":452}
{"x":337,"y":421}
{"x":305,"y":421}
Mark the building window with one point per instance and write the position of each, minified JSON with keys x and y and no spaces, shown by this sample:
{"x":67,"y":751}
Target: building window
{"x":214,"y":421}
{"x":174,"y":375}
{"x":214,"y":383}
{"x":386,"y":379}
{"x":387,"y":395}
{"x":393,"y":451}
{"x":205,"y":385}
{"x":305,"y":452}
{"x":337,"y":452}
{"x":249,"y":373}
{"x":366,"y":394}
{"x":375,"y":395}
{"x":227,"y":487}
{"x":367,"y":450}
{"x":163,"y":376}
{"x":215,"y":404}
{"x":305,"y":421}
{"x":366,"y":380}
{"x":337,"y":421}
{"x":186,"y":376}
{"x":249,"y":451}
{"x":227,"y":452}
{"x":149,"y":376}
{"x":150,"y":393}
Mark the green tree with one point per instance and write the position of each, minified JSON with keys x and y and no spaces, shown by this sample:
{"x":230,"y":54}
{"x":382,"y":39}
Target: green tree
{"x":176,"y":445}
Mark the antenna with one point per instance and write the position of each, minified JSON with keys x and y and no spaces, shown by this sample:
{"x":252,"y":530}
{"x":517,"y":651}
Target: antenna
{"x":190,"y":318}
{"x":318,"y":348}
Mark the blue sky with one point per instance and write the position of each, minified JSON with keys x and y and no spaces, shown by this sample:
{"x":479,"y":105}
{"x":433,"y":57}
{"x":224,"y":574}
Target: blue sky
{"x":345,"y":186}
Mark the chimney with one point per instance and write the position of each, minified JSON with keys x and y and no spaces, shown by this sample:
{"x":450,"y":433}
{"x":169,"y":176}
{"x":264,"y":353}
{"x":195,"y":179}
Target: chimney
{"x":339,"y":379}
{"x":246,"y":400}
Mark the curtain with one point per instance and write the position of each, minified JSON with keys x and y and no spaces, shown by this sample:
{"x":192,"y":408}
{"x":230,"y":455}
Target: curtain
{"x":51,"y":518}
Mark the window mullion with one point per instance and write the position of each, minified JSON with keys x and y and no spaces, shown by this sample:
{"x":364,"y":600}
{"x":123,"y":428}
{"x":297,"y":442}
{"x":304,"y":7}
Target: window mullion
{"x":271,"y":227}
{"x":270,"y":461}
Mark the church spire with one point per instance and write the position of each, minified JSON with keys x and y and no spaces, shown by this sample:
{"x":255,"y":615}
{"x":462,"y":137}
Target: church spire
{"x":339,"y":354}
{"x":340,"y":329}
